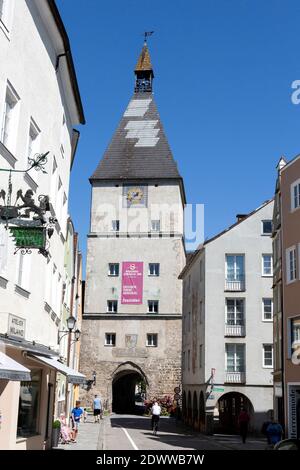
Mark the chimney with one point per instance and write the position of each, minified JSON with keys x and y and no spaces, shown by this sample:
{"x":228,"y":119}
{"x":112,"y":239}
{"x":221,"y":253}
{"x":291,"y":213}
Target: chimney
{"x":240,"y":217}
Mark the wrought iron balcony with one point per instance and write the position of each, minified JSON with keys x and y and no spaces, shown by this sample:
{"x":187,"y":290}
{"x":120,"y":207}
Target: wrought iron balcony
{"x":235,"y":377}
{"x":235,"y":330}
{"x":235,"y":285}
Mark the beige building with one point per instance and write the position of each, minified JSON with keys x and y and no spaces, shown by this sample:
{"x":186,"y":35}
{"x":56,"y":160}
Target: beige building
{"x":286,"y":246}
{"x":132,"y":315}
{"x":39,"y":107}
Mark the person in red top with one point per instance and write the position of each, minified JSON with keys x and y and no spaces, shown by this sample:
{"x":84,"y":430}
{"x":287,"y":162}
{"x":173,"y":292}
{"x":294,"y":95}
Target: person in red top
{"x":244,"y":419}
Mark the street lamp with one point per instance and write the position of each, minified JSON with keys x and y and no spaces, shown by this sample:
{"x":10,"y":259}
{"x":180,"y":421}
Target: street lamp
{"x":77,"y":334}
{"x":71,"y":323}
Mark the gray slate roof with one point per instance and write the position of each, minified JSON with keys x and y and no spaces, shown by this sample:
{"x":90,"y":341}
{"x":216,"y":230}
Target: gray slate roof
{"x":139,"y":148}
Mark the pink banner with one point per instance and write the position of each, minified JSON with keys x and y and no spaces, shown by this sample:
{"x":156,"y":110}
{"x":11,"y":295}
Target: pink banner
{"x":132,"y":282}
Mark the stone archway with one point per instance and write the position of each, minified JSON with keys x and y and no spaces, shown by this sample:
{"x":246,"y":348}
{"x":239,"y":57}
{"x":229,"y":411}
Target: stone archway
{"x":124,"y":380}
{"x":184,"y":413}
{"x":189,"y":409}
{"x":201,"y":412}
{"x":229,"y":407}
{"x":195,"y":411}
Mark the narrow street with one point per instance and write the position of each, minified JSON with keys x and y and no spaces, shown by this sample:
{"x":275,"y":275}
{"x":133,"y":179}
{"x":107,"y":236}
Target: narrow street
{"x":129,"y":432}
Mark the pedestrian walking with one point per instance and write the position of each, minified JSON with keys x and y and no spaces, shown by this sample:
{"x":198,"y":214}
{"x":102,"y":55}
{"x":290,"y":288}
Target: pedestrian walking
{"x":274,"y":432}
{"x":97,"y":405}
{"x":155,"y":412}
{"x":76,"y":414}
{"x":244,"y":419}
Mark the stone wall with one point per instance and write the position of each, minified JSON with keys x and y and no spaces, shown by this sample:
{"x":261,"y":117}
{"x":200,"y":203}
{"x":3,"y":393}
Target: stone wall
{"x":160,"y":366}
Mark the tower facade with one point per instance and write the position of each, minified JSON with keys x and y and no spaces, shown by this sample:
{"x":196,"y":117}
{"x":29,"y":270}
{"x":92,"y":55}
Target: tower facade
{"x":133,"y":299}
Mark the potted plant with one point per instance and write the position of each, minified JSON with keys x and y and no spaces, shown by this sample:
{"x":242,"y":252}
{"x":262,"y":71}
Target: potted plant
{"x":55,"y":433}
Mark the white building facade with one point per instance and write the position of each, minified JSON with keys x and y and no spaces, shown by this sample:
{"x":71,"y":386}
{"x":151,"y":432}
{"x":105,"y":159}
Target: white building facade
{"x":39,"y":107}
{"x":227,"y":326}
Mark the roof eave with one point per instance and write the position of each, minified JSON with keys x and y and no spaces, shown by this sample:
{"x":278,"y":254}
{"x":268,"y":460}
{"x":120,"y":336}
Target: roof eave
{"x":70,"y":64}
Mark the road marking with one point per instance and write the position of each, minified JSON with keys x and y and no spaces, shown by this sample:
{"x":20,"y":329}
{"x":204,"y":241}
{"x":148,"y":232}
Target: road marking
{"x":130,"y":439}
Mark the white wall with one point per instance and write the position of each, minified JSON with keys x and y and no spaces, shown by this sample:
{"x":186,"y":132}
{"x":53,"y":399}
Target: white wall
{"x":28,"y":56}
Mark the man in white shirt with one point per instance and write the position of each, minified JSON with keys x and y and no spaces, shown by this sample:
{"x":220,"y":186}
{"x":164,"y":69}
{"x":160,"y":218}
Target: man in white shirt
{"x":155,"y":411}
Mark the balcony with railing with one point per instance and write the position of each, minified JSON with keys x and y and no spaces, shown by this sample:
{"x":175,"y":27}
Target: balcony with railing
{"x":235,"y":330}
{"x":235,"y":377}
{"x":235,"y":285}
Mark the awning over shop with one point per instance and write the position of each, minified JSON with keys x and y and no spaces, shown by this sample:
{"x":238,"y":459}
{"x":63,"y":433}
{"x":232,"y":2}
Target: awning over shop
{"x":73,"y":376}
{"x":12,"y":370}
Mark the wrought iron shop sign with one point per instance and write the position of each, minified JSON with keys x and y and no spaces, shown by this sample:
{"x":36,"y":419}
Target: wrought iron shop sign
{"x":27,"y":219}
{"x":29,"y":237}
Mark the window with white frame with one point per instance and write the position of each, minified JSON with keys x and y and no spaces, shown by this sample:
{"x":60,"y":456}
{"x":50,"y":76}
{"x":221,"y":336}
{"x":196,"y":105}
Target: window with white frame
{"x":113,"y":269}
{"x":153,"y":269}
{"x":291,"y":264}
{"x":62,"y":151}
{"x":54,"y":165}
{"x":3,"y":249}
{"x":152,"y":306}
{"x":152,"y":339}
{"x":235,"y":267}
{"x":235,"y":311}
{"x":267,"y":227}
{"x":33,"y":139}
{"x":23,"y":271}
{"x":235,"y":357}
{"x":59,"y":200}
{"x":268,"y":355}
{"x":267,"y":265}
{"x":112,"y":306}
{"x":295,"y":333}
{"x":9,"y":118}
{"x":155,"y":225}
{"x":295,"y":195}
{"x":200,"y":356}
{"x":110,"y":339}
{"x":115,"y":225}
{"x":267,"y":305}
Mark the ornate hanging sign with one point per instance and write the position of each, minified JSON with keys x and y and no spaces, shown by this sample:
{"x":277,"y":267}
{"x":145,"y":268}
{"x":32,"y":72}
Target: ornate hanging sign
{"x":29,"y":237}
{"x":26,"y":219}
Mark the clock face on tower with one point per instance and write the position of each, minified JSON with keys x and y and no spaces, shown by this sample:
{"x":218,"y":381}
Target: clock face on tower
{"x":135,"y":196}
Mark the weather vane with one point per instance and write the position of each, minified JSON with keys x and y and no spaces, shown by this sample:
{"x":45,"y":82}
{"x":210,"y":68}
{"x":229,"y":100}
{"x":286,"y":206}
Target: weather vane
{"x":146,"y":34}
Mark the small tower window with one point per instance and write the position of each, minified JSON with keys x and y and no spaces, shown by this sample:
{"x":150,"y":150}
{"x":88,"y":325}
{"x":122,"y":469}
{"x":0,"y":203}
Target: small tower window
{"x":152,"y":306}
{"x":112,"y":306}
{"x":116,"y":225}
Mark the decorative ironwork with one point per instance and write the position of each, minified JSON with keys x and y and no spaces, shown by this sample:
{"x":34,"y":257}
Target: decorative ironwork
{"x":27,"y":219}
{"x":38,"y":162}
{"x":23,"y":251}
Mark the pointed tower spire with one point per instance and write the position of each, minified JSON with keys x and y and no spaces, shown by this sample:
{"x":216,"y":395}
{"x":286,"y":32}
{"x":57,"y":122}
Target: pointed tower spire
{"x":143,"y":70}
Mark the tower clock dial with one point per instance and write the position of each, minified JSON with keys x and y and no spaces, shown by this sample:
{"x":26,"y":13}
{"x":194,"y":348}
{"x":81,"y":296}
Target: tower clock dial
{"x":135,"y":195}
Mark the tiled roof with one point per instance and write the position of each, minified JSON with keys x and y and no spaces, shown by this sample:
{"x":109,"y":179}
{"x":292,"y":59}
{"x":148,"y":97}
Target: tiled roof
{"x":139,"y":148}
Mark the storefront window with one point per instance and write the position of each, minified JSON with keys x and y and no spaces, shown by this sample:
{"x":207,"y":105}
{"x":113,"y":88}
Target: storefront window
{"x":29,"y":402}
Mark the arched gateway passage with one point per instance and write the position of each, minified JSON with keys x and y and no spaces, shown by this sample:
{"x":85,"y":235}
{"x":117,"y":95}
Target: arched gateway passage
{"x":229,"y":407}
{"x":126,"y":379}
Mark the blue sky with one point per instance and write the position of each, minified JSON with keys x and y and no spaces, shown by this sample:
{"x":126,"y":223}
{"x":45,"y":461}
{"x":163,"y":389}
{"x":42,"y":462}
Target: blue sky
{"x":223,"y":73}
